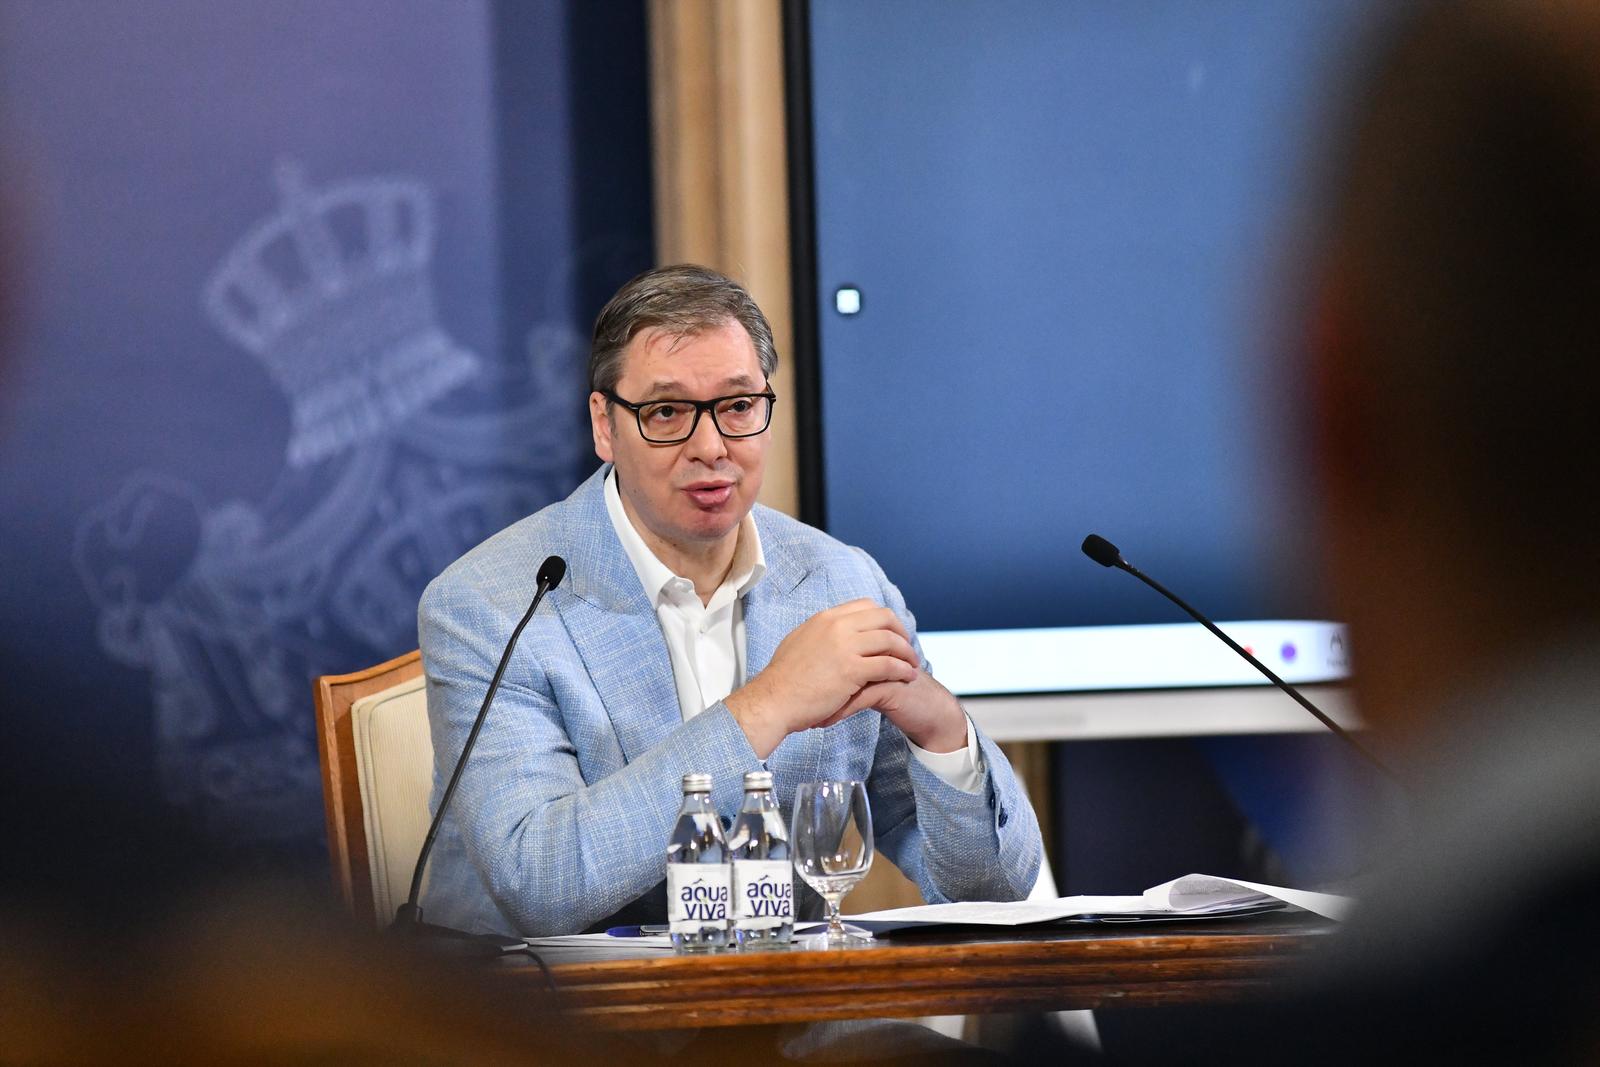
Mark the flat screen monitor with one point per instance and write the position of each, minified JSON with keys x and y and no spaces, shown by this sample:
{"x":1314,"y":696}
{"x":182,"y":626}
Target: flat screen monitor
{"x":1045,"y":259}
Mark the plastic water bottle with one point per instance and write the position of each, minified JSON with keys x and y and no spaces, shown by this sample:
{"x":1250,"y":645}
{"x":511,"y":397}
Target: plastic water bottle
{"x":763,"y":873}
{"x":697,"y":872}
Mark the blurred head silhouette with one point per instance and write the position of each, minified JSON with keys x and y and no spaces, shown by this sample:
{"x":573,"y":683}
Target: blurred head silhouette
{"x":1456,"y":352}
{"x":1455,"y":349}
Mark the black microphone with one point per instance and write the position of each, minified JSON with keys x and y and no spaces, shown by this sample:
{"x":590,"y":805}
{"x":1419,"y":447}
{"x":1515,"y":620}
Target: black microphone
{"x":408,"y":917}
{"x":1106,"y":554}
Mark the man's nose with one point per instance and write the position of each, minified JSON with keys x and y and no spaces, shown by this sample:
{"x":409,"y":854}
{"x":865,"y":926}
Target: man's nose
{"x":706,"y":443}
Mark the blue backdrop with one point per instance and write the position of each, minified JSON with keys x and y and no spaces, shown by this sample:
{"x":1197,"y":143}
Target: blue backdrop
{"x":306,"y":293}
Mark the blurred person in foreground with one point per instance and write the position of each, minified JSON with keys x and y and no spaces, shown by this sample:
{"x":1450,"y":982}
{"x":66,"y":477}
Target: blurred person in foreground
{"x":1456,"y":370}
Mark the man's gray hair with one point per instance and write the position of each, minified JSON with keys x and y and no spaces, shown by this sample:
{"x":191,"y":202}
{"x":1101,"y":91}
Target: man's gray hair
{"x":682,"y":299}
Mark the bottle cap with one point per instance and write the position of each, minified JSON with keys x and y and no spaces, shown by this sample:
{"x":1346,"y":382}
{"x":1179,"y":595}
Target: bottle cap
{"x":758,"y":780}
{"x":697,"y":782}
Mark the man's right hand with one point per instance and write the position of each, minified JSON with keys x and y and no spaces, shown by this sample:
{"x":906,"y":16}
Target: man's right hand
{"x":823,"y":662}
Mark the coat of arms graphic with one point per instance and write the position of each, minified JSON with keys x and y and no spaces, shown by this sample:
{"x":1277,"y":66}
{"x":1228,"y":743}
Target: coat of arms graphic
{"x":405,"y":449}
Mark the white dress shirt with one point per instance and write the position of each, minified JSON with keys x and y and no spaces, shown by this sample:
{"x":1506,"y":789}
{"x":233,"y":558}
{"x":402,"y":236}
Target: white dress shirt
{"x":706,"y":641}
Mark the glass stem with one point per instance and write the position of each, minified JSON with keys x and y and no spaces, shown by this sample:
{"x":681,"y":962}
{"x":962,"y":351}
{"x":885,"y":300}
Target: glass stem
{"x":835,"y":924}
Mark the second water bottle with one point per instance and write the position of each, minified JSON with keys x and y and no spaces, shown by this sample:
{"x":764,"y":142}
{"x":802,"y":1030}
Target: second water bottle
{"x":763,"y":874}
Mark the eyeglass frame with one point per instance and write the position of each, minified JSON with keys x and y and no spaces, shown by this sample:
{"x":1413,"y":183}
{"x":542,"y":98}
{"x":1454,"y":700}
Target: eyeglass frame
{"x":700,"y":407}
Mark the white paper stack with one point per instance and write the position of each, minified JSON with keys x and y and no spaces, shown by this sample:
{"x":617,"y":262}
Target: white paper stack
{"x":1194,"y":896}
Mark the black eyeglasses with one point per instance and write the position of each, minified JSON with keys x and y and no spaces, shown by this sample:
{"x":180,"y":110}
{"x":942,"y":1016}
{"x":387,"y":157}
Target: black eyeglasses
{"x":670,"y":422}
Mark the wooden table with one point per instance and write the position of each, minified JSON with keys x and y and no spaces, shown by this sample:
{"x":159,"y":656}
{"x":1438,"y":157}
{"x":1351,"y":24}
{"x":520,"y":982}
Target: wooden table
{"x":926,"y":974}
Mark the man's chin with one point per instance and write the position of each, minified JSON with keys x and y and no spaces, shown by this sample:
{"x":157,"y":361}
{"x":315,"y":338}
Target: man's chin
{"x":713,"y":526}
{"x":712,"y":533}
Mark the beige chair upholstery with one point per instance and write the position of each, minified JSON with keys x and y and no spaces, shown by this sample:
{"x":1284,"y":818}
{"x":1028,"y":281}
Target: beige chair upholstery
{"x":394,"y":767}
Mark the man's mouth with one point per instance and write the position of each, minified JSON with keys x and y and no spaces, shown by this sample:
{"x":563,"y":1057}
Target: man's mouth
{"x":709,"y":494}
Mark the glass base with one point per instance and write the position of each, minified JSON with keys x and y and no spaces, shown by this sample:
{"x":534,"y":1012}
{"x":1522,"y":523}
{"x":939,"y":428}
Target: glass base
{"x":853,"y":937}
{"x":848,"y":940}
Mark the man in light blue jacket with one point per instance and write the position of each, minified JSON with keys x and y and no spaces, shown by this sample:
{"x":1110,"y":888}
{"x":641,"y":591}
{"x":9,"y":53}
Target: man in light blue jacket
{"x":696,"y":631}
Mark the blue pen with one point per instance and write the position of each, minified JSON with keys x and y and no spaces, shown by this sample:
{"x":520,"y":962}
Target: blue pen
{"x":636,"y":931}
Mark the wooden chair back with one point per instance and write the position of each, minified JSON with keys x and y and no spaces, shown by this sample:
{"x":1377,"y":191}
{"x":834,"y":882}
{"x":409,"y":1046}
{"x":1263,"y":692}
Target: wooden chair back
{"x":348,"y":849}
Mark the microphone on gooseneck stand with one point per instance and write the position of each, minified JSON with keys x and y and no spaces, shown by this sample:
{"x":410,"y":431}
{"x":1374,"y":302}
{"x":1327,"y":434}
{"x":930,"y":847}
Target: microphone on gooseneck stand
{"x":408,"y":917}
{"x":1105,"y":553}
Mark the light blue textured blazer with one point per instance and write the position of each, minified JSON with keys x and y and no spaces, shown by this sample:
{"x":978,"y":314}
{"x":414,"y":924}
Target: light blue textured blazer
{"x":561,"y":819}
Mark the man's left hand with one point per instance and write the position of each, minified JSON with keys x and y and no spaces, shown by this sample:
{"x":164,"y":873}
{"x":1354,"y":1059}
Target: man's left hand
{"x":925,"y":711}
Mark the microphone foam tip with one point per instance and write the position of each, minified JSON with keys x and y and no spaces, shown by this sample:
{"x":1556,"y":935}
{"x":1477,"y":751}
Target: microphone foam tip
{"x":1101,"y":551}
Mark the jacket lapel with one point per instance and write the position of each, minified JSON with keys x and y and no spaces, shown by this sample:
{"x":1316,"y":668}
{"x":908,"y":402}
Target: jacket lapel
{"x":614,"y":627}
{"x":770,"y":612}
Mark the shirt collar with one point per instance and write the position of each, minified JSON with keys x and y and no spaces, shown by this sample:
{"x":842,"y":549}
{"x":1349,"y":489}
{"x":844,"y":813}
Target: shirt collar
{"x":749,"y":562}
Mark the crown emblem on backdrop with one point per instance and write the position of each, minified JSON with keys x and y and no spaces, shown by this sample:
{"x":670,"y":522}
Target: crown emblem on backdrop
{"x":332,"y":294}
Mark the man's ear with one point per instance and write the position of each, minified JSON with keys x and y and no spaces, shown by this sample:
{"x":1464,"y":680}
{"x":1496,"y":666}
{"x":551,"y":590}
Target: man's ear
{"x":600,"y":425}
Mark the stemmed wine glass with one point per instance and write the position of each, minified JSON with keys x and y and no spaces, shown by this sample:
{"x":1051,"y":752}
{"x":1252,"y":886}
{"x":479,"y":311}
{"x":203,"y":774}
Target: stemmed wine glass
{"x":831,"y":841}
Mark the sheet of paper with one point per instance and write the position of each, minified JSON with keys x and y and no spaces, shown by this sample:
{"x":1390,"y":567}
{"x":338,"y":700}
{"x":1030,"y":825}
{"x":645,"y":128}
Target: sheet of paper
{"x":600,"y":943}
{"x":1200,"y":892}
{"x":1192,"y":896}
{"x":1203,"y":891}
{"x":1004,"y":913}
